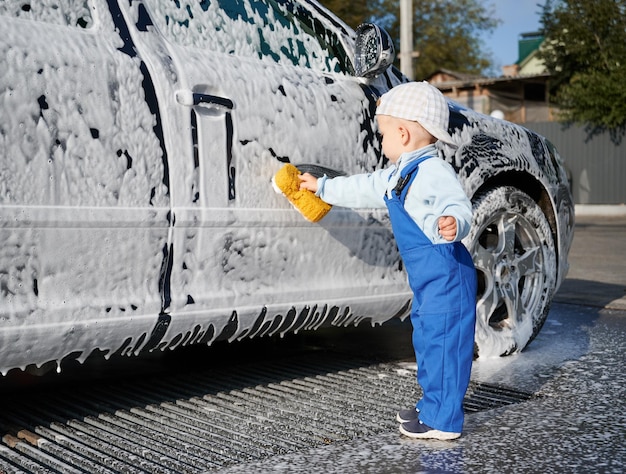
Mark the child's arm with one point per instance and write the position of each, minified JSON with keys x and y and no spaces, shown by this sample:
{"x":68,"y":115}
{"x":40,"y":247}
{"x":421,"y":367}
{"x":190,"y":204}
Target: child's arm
{"x":358,"y":191}
{"x":438,"y":203}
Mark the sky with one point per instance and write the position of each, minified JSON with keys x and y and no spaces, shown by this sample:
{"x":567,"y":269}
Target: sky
{"x":517,"y":16}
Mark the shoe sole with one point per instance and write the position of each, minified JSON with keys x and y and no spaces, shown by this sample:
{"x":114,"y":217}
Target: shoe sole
{"x":431,"y":434}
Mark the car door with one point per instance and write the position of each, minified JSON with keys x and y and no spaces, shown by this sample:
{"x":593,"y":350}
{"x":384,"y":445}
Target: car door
{"x":249,"y":86}
{"x":83,"y":186}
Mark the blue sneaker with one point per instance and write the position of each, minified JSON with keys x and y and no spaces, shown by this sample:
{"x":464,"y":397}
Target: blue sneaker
{"x":404,"y":416}
{"x":418,"y":430}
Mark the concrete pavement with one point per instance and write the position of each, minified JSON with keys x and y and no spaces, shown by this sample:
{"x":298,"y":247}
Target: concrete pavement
{"x":597,"y":274}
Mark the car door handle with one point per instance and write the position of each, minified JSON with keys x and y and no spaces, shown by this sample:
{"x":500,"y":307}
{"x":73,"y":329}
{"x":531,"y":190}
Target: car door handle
{"x":190,"y":98}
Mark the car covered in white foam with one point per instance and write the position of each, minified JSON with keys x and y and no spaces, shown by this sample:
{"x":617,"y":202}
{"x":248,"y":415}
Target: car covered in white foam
{"x":138,"y":140}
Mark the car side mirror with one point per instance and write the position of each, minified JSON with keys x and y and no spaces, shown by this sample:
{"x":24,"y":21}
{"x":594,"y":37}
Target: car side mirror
{"x":373,"y":51}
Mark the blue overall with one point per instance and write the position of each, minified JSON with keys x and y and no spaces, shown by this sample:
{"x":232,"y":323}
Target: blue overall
{"x":443,"y":280}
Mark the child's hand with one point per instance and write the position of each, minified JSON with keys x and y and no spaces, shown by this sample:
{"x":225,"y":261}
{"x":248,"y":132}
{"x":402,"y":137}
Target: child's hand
{"x":447,"y":227}
{"x":308,"y":181}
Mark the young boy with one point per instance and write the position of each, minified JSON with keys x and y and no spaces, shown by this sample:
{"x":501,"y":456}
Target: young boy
{"x":429,"y":214}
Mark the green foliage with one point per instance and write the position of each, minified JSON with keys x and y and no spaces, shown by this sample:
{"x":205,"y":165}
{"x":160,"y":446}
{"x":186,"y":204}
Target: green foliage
{"x":446,"y":33}
{"x":586,"y":55}
{"x":353,"y":12}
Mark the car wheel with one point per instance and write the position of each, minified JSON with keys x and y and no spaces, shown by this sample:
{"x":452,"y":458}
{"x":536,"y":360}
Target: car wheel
{"x":513,"y":251}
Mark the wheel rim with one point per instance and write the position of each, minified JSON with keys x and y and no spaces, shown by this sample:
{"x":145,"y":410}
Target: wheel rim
{"x":509,"y":259}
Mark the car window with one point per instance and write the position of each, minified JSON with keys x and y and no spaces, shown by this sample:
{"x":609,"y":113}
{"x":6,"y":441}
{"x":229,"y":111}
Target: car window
{"x":58,"y":12}
{"x":279,"y":30}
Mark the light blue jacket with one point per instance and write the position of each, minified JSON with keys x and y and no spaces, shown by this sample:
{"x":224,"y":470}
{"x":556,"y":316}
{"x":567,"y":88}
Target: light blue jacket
{"x":435,"y":192}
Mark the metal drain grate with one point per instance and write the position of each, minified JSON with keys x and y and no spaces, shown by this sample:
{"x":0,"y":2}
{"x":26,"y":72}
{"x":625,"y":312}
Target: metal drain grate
{"x":202,"y":421}
{"x":482,"y":396}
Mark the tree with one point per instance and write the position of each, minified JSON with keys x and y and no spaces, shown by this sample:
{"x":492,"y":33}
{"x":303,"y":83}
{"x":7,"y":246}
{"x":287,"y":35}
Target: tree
{"x":352,"y":12}
{"x":446,"y":33}
{"x":585,"y":54}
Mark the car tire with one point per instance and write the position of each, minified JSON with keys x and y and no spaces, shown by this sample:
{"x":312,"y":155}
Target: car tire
{"x":514,"y":254}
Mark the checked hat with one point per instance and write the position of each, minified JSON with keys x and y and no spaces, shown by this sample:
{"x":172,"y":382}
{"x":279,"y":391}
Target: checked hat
{"x":418,"y":102}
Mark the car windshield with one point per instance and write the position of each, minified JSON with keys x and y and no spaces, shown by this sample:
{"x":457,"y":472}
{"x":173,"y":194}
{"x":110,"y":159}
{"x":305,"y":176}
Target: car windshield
{"x":280,"y":30}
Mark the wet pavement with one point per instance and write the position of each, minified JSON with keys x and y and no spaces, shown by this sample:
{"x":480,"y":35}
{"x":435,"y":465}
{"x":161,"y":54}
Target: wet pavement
{"x":575,"y":366}
{"x":576,"y":422}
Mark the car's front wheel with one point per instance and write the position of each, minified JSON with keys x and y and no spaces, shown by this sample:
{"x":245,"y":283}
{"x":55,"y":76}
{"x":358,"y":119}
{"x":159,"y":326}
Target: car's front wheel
{"x":514,"y":254}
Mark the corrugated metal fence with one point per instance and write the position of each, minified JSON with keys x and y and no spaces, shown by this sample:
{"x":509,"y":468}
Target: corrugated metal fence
{"x":597,"y":165}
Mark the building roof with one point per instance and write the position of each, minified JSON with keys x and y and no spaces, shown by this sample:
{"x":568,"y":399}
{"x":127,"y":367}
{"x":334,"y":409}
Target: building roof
{"x":445,"y":79}
{"x":527,"y":44}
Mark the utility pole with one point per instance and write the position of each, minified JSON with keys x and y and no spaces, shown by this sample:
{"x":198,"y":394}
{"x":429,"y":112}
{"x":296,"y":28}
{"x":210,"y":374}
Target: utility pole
{"x":406,"y":38}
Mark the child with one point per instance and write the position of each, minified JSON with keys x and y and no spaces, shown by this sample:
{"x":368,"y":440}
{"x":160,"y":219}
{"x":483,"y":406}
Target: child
{"x":429,"y":214}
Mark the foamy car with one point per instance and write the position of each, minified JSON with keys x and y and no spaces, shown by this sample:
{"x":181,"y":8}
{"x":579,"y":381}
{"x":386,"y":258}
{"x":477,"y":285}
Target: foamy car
{"x":137,"y":145}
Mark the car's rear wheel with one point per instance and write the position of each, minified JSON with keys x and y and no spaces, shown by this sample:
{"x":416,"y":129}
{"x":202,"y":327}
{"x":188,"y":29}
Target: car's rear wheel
{"x":514,"y":254}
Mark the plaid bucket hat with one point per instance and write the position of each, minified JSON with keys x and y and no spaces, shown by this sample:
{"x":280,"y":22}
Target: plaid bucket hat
{"x":419,"y":102}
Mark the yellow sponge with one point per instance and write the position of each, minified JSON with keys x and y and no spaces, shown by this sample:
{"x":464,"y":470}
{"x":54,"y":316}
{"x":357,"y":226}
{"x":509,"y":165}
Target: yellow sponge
{"x":310,"y":206}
